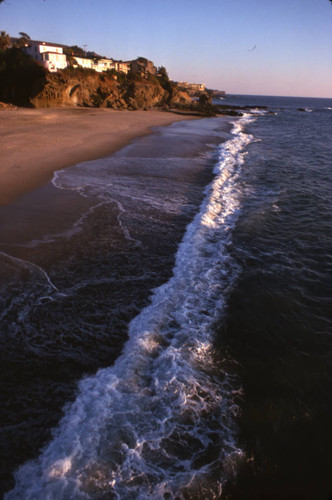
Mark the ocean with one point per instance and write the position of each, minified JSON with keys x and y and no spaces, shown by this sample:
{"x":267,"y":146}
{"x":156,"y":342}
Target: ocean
{"x":166,"y":316}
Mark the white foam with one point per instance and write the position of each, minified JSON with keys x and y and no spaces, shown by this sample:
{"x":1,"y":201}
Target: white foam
{"x":42,"y":290}
{"x":29,"y":266}
{"x":104,"y":180}
{"x":161,"y":420}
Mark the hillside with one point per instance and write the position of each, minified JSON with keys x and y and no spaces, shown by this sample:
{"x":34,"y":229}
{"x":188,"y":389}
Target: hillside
{"x":25,"y":82}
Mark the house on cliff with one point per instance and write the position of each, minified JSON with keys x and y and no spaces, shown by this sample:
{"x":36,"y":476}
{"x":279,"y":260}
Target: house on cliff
{"x":194,"y":87}
{"x":102,"y":64}
{"x":49,"y":54}
{"x":123,"y":66}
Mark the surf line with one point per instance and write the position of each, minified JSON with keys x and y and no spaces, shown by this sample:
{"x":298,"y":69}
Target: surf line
{"x":28,"y":265}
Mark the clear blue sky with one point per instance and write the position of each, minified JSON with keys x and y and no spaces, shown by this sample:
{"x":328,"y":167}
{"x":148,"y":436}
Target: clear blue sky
{"x":272,"y":47}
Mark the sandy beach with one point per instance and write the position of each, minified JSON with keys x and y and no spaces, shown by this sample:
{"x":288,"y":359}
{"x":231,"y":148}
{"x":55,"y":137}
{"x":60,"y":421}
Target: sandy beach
{"x":36,"y":142}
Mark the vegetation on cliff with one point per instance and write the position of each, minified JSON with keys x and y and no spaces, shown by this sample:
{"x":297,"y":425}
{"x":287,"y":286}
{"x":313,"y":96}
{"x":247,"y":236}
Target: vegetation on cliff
{"x":4,"y":40}
{"x":20,"y":77}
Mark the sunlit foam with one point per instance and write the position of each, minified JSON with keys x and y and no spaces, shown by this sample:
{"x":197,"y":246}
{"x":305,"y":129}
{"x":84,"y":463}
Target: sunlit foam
{"x":60,"y":468}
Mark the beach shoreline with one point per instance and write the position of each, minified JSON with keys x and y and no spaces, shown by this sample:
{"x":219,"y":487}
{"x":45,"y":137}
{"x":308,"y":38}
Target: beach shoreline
{"x":79,"y":264}
{"x":37,"y":142}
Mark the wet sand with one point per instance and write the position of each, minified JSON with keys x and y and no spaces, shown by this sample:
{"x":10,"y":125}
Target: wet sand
{"x":36,"y":142}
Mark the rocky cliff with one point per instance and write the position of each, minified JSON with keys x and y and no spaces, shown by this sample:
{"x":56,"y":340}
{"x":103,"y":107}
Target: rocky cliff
{"x":76,"y":88}
{"x":24,"y":82}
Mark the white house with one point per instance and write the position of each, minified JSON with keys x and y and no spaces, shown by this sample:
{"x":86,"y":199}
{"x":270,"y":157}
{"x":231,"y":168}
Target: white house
{"x":49,"y":54}
{"x":84,"y":62}
{"x":99,"y":65}
{"x":197,"y":87}
{"x":103,"y":64}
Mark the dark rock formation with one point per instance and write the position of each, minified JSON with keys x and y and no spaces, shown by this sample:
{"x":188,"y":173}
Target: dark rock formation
{"x":215,"y":94}
{"x":205,"y":98}
{"x":141,"y":93}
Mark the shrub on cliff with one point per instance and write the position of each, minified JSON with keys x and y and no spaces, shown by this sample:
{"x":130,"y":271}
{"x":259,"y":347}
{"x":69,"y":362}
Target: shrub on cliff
{"x":117,"y":75}
{"x":14,"y":61}
{"x":20,"y":77}
{"x":78,"y":72}
{"x":74,"y":50}
{"x":4,"y":41}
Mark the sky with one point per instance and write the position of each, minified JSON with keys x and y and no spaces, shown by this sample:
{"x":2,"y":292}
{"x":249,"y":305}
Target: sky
{"x":263,"y":47}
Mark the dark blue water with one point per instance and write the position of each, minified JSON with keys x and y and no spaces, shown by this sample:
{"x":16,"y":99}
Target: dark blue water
{"x":222,"y":389}
{"x":278,"y":322}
